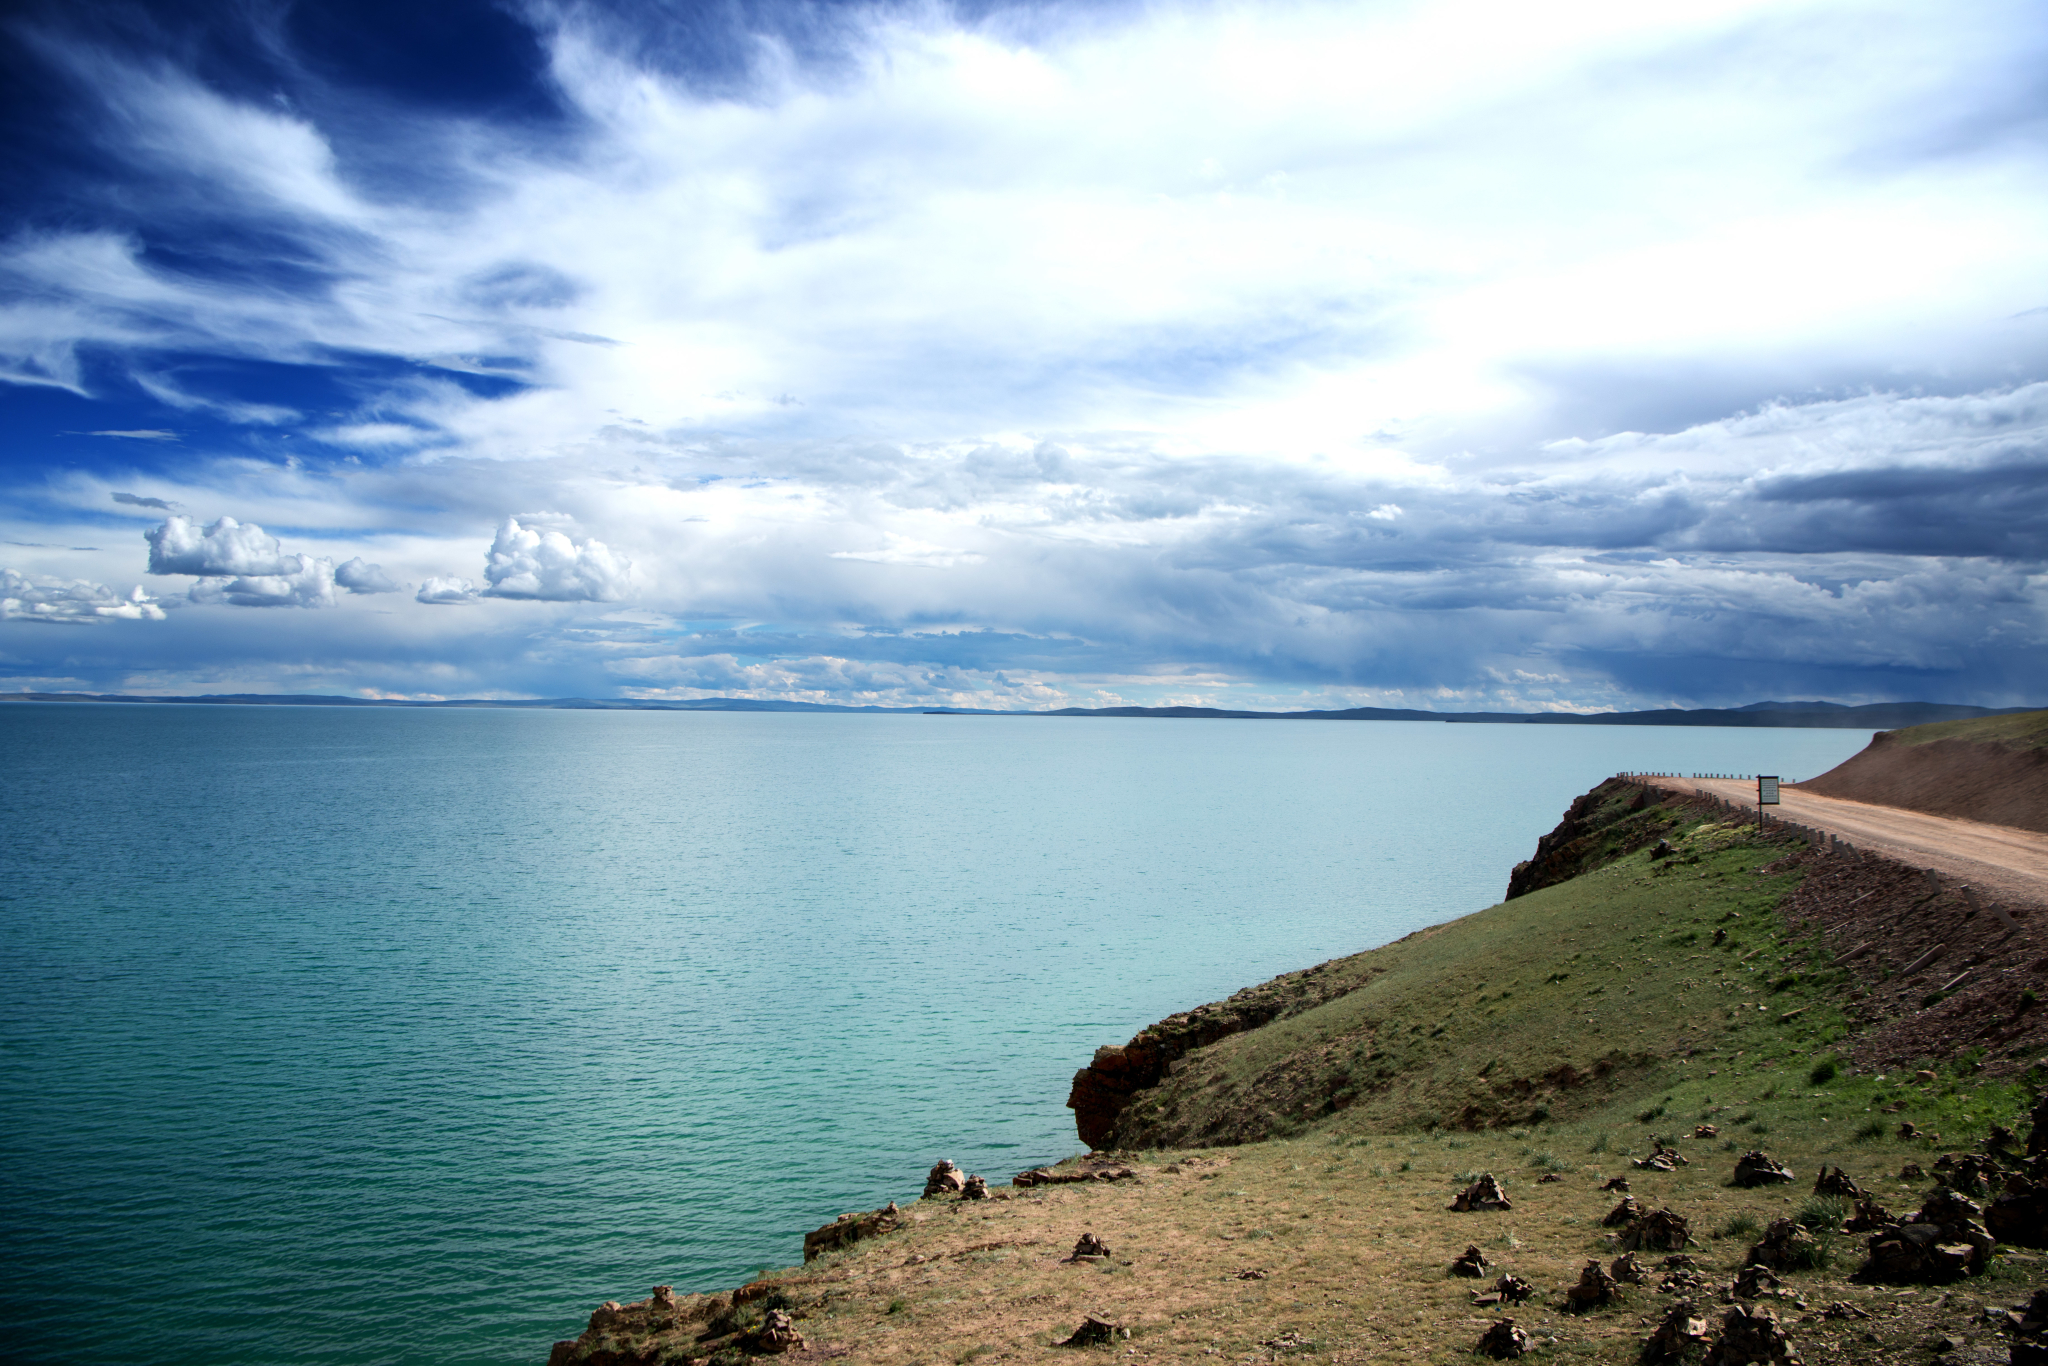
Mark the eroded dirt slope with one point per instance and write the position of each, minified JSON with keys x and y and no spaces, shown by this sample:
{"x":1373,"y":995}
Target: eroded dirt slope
{"x":2003,"y":780}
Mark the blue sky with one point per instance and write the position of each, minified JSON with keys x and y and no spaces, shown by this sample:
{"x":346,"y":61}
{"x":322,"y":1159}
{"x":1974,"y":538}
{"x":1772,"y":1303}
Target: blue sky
{"x":1284,"y":354}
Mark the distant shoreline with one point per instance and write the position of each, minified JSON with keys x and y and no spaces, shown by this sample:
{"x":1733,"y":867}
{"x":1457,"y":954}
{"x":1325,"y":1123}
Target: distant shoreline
{"x":1830,"y":715}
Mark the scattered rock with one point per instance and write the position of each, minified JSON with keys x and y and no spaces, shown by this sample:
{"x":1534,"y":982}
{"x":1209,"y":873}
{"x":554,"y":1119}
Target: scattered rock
{"x":1595,"y":1288}
{"x":1925,"y":1077}
{"x":776,"y":1335}
{"x":1472,"y":1263}
{"x":1842,"y":1309}
{"x":1627,"y":1212}
{"x":1661,"y":1159}
{"x":1912,"y":1171}
{"x":1835,"y":1181}
{"x":1785,"y":1246}
{"x":945,"y":1179}
{"x":1512,"y":1289}
{"x":1705,"y":1131}
{"x":1252,"y":1273}
{"x":1755,"y":1282}
{"x":1090,"y":1168}
{"x":1616,"y":1183}
{"x":1627,"y":1268}
{"x":2019,"y":1215}
{"x":1908,"y":1129}
{"x":1485,"y":1193}
{"x":1969,"y":1173}
{"x":1548,"y":1178}
{"x":849,"y":1229}
{"x":1681,"y":1332}
{"x":1869,"y":1217}
{"x":1095,"y":1331}
{"x":977,"y":1189}
{"x":1504,"y":1341}
{"x":1750,"y":1335}
{"x":1658,"y":1231}
{"x":1090,"y":1249}
{"x":1943,"y":1241}
{"x":2001,"y":1140}
{"x":1757,"y":1168}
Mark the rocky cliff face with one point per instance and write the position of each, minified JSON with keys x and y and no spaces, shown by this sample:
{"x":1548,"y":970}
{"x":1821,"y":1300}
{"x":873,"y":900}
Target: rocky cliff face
{"x":1106,"y":1085}
{"x":1614,"y":819}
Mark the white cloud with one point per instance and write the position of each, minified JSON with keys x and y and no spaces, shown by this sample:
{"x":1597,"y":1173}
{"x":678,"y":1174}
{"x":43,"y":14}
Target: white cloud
{"x":553,"y":567}
{"x":181,"y":546}
{"x":1313,"y":345}
{"x":906,"y":550}
{"x":37,"y":597}
{"x":358,"y":577}
{"x":311,"y":584}
{"x":446,"y":592}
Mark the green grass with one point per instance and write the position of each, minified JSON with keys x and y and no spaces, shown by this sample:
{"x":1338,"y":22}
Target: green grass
{"x":1596,"y":989}
{"x":2025,"y":730}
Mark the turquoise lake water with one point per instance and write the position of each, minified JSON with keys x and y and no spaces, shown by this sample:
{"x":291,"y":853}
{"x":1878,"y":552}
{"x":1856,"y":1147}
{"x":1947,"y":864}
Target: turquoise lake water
{"x":408,"y":1037}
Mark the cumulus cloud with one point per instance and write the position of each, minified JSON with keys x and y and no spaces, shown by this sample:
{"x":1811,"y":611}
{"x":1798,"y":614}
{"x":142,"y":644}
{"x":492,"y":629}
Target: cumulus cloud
{"x":446,"y":592}
{"x":68,"y":602}
{"x":181,"y":546}
{"x":310,"y":584}
{"x":550,"y":566}
{"x":358,"y":577}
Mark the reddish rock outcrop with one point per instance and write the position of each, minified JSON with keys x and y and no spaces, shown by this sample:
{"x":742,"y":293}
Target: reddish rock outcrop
{"x":1103,"y":1088}
{"x":849,"y":1229}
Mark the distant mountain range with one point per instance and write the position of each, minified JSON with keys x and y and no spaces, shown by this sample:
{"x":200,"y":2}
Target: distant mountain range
{"x":1875,"y":716}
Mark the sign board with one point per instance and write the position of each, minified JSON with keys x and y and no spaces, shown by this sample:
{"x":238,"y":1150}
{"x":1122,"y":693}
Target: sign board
{"x":1766,"y":790}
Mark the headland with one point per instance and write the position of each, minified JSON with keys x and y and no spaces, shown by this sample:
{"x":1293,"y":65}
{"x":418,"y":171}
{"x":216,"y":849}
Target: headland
{"x":1700,"y":1085}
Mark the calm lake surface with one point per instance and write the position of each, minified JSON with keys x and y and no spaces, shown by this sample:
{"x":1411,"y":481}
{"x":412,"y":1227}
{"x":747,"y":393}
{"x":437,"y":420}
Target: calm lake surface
{"x":380,"y":1036}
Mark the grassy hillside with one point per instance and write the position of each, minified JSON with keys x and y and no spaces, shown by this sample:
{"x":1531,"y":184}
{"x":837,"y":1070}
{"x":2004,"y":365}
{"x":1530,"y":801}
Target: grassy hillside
{"x":1293,"y":1181}
{"x":1635,"y":975}
{"x":2026,"y":730}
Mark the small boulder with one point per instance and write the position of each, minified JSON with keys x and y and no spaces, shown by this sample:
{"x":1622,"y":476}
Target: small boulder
{"x":1869,"y":1216}
{"x":977,"y":1188}
{"x":1785,"y":1246}
{"x":1757,"y":1168}
{"x":2019,"y":1214}
{"x":1748,"y":1335}
{"x":1682,"y":1331}
{"x":1757,"y":1282}
{"x":945,"y":1179}
{"x":1912,"y":1171}
{"x":1661,"y":1159}
{"x":776,"y":1335}
{"x":1090,"y":1248}
{"x":1627,"y":1269}
{"x":1471,"y":1263}
{"x":1627,"y":1212}
{"x":1095,"y":1331}
{"x":1941,"y":1242}
{"x":1512,"y":1289}
{"x":1485,"y":1193}
{"x":1504,"y":1341}
{"x":1705,"y":1131}
{"x":1594,"y":1290}
{"x":1616,"y":1183}
{"x":1835,"y":1181}
{"x":1549,"y":1179}
{"x":1660,"y":1230}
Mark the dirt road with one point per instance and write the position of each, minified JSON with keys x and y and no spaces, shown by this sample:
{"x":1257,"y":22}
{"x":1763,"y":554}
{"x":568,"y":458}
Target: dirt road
{"x":1998,"y":860}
